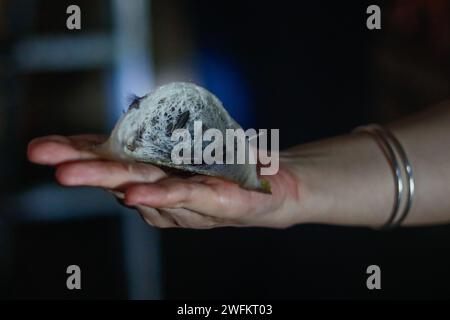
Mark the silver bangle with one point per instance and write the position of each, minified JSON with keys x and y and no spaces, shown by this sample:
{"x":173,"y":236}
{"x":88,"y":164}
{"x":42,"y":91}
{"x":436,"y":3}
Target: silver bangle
{"x":401,"y":168}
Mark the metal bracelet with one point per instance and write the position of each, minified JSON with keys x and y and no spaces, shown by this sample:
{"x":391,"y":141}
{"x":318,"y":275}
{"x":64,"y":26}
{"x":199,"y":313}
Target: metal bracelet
{"x":401,"y":168}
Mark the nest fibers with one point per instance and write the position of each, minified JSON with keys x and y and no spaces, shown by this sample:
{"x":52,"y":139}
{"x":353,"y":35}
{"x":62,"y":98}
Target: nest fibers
{"x":144,"y":133}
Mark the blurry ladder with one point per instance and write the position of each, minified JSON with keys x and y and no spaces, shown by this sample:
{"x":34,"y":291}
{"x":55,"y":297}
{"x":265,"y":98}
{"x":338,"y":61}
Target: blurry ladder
{"x":125,"y":57}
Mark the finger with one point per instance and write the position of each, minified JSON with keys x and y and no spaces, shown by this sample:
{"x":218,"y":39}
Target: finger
{"x":178,"y":193}
{"x":52,"y":150}
{"x":150,"y":215}
{"x":154,"y":218}
{"x":179,"y":217}
{"x":193,"y":220}
{"x":119,"y":196}
{"x":107,"y":174}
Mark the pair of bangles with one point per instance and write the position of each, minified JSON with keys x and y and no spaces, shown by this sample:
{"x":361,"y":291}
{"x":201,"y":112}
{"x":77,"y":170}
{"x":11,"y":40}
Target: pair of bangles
{"x":401,"y":169}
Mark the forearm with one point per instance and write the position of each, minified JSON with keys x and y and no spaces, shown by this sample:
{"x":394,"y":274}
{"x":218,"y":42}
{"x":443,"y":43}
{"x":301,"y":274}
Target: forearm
{"x":347,"y":179}
{"x":426,"y":139}
{"x":343,"y":180}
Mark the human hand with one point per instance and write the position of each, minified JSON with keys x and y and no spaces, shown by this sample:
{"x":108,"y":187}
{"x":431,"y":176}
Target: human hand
{"x":170,"y":201}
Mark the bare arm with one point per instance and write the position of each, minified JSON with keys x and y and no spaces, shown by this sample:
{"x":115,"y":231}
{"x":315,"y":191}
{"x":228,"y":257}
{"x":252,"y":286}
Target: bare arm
{"x":348,"y":181}
{"x":342,"y":180}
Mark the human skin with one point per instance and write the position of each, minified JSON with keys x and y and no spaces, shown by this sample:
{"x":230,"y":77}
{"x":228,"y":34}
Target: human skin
{"x":344,"y":180}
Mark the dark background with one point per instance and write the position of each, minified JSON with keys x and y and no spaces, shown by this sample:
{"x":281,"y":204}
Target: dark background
{"x":310,"y":68}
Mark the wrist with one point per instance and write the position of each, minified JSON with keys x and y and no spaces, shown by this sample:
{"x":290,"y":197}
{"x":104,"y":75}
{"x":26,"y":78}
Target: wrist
{"x":344,"y":180}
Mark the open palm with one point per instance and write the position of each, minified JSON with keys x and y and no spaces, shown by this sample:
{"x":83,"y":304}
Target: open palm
{"x":165,"y":200}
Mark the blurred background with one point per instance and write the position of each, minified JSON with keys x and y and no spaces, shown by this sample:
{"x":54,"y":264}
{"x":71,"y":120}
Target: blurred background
{"x":310,"y":68}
